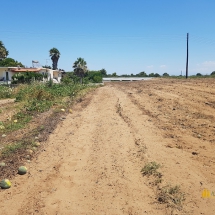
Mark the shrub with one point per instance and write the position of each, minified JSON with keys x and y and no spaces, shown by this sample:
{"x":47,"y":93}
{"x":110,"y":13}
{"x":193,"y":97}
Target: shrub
{"x":26,"y":77}
{"x":95,"y":76}
{"x":97,"y":79}
{"x":151,"y":169}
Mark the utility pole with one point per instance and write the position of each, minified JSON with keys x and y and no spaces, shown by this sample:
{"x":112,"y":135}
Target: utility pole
{"x":187,"y":55}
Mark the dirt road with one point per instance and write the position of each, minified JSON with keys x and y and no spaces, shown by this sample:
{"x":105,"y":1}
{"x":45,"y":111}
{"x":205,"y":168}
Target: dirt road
{"x":91,"y":164}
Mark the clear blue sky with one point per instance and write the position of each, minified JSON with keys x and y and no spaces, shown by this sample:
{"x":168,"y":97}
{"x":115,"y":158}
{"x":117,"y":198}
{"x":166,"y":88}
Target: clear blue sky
{"x":122,"y":36}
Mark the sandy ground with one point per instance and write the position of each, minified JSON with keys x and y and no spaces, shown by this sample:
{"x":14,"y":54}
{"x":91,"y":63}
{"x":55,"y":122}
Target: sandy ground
{"x":6,"y":101}
{"x":91,"y":164}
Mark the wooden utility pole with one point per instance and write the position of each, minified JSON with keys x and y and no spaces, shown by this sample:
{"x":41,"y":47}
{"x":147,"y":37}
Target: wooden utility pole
{"x":187,"y":55}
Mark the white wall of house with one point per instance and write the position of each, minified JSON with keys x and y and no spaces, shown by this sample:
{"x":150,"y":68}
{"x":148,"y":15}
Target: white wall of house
{"x":53,"y":74}
{"x":3,"y":73}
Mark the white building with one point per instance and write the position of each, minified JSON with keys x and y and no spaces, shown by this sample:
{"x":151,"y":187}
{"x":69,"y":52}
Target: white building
{"x":6,"y":73}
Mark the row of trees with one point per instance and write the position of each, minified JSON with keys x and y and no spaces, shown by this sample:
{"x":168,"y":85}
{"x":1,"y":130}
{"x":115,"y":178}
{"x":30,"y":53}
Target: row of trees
{"x":199,"y":74}
{"x":141,"y":74}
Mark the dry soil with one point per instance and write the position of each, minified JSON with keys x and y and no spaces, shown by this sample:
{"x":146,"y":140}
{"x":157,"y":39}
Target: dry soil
{"x":91,"y":164}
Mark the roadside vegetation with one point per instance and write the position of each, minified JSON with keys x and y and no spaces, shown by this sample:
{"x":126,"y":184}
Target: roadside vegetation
{"x":37,"y":98}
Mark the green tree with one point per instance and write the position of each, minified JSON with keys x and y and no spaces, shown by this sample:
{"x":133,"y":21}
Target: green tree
{"x":114,"y":74}
{"x":94,"y":76}
{"x":80,"y":68}
{"x":142,"y":74}
{"x":10,"y":62}
{"x":213,"y":73}
{"x":55,"y":55}
{"x":198,"y":74}
{"x":3,"y":51}
{"x":151,"y":74}
{"x":103,"y":72}
{"x":165,"y":74}
{"x":156,"y":75}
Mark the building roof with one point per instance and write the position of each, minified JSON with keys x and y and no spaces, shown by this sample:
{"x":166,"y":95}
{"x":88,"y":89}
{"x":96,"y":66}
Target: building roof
{"x":25,"y":69}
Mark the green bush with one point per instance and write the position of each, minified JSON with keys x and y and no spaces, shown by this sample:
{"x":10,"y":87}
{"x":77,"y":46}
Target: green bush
{"x":67,"y":80}
{"x":97,"y":79}
{"x":26,"y":77}
{"x":95,"y":76}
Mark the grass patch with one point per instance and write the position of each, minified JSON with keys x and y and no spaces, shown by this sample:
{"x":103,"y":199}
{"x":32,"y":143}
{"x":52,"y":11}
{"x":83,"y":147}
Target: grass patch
{"x":18,"y":146}
{"x":15,"y":122}
{"x":11,"y":148}
{"x":151,"y":169}
{"x":172,"y":196}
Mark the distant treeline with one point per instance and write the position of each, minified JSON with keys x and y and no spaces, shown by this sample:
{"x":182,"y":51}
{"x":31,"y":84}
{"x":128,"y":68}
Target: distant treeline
{"x":95,"y":76}
{"x":141,"y":74}
{"x":144,"y":74}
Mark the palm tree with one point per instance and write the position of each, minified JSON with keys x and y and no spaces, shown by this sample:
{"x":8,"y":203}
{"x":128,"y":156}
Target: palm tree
{"x":55,"y":55}
{"x":80,"y":68}
{"x":3,"y":51}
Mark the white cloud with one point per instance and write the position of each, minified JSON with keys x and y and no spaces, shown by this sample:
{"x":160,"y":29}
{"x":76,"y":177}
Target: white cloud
{"x":209,"y":64}
{"x":162,"y":66}
{"x":205,"y":67}
{"x":150,"y":66}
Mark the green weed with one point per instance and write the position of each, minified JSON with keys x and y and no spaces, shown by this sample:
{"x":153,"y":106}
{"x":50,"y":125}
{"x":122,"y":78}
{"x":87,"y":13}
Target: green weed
{"x":11,"y":148}
{"x":151,"y":169}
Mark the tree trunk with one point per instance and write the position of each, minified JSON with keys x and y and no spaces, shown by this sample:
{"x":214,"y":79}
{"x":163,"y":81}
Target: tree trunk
{"x":54,"y":62}
{"x":54,"y":65}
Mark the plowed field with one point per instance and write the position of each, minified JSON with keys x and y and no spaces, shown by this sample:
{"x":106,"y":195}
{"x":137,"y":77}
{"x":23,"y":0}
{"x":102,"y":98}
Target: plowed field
{"x":91,"y":164}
